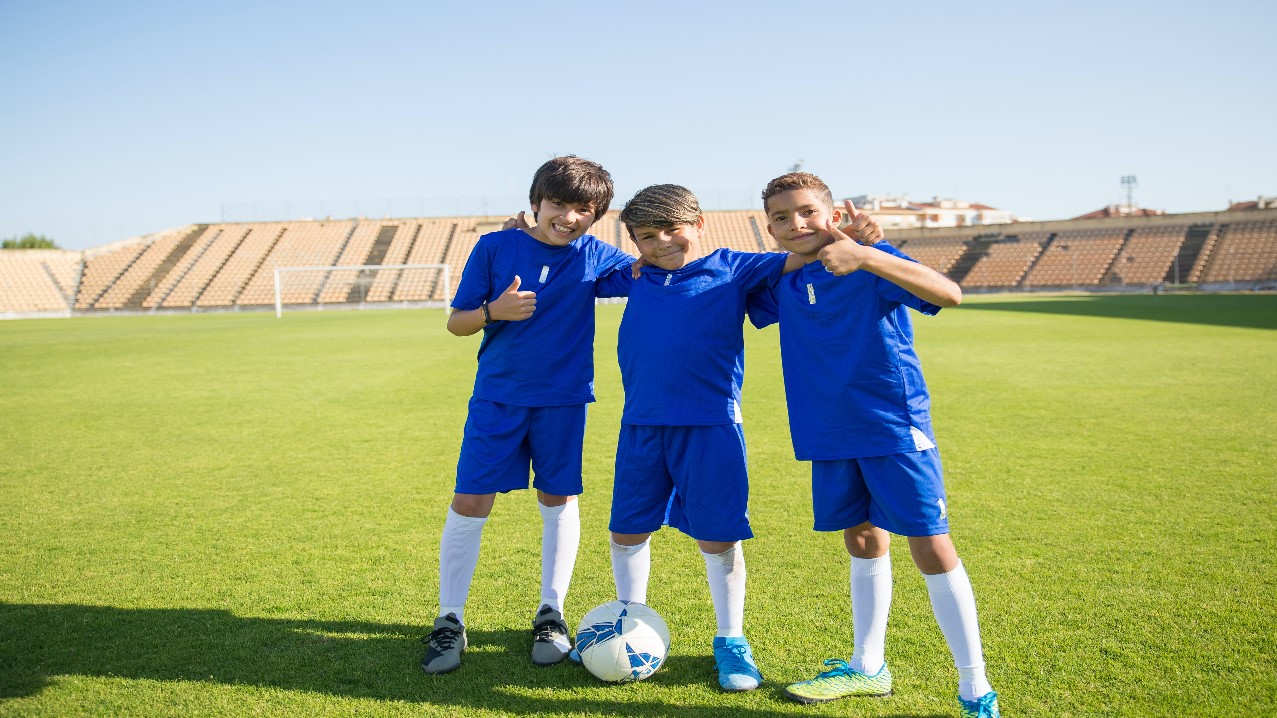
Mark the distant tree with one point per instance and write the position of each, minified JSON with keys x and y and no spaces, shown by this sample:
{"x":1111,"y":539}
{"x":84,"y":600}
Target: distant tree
{"x":29,"y":241}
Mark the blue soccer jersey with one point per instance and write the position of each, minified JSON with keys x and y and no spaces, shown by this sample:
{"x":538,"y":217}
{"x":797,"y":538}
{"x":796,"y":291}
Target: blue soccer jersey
{"x":547,"y":359}
{"x":853,"y":382}
{"x":681,"y":349}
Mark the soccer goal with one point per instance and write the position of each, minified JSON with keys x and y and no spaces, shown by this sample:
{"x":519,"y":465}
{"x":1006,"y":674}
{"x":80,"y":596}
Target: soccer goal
{"x":362,"y":285}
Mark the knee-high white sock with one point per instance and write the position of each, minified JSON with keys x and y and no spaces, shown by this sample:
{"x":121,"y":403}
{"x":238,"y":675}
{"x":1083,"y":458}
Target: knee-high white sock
{"x":870,"y":604}
{"x":953,"y":602}
{"x":560,"y":539}
{"x":458,"y":556}
{"x":631,"y":566}
{"x":726,"y":572}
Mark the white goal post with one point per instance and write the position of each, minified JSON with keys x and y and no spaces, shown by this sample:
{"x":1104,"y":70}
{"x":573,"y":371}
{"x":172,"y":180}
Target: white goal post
{"x":360,"y":285}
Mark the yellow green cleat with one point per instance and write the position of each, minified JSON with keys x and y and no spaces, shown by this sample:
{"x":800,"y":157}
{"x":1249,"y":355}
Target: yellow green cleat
{"x":841,"y":681}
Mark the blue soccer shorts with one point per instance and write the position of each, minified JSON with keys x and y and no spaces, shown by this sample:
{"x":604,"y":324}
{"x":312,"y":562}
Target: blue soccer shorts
{"x":692,"y":477}
{"x":901,"y":493}
{"x":501,"y":442}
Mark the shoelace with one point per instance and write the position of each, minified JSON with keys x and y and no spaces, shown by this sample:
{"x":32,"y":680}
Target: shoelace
{"x":546,"y":630}
{"x":442,"y":639}
{"x":841,"y":668}
{"x":734,"y":660}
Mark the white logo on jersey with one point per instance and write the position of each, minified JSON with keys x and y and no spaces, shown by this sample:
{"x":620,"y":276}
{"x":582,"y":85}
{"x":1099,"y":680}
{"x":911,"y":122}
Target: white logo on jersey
{"x":811,"y":294}
{"x":668,"y":277}
{"x":545,"y":272}
{"x":943,"y":512}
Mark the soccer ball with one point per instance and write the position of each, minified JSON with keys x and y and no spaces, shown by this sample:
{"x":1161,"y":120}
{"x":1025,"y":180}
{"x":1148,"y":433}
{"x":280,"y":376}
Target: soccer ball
{"x":622,"y":641}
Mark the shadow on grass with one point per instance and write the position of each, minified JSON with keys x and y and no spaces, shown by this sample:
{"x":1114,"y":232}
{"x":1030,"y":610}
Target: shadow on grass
{"x":1255,"y":311}
{"x":38,"y":643}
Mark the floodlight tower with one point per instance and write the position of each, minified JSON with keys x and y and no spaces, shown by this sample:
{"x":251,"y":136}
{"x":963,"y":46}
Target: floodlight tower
{"x":1128,"y":181}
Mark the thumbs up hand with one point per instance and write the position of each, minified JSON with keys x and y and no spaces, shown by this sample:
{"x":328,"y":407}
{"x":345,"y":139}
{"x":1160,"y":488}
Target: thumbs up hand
{"x":513,"y":305}
{"x":843,"y":255}
{"x":862,"y":227}
{"x":521,"y":222}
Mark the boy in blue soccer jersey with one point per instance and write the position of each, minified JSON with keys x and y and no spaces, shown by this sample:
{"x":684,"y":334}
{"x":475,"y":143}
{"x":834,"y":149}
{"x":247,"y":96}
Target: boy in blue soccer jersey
{"x":531,"y":291}
{"x":681,"y":353}
{"x":860,"y":412}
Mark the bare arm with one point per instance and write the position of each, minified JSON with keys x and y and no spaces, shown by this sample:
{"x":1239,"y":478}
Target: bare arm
{"x":917,"y":279}
{"x":511,"y":306}
{"x":464,"y":322}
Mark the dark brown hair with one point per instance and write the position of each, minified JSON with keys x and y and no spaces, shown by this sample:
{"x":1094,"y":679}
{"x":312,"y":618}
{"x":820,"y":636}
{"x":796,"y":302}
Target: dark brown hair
{"x":573,"y":180}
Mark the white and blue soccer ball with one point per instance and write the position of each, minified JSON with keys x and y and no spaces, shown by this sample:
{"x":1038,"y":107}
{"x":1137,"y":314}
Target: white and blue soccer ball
{"x":622,"y":641}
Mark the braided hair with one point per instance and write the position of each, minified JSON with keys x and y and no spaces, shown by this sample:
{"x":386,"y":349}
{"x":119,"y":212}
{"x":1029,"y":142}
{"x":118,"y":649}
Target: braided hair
{"x":661,"y":205}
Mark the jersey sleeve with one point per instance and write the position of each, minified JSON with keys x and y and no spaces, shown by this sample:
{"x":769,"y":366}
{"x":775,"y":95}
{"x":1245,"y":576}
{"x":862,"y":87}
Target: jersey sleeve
{"x":763,"y":306}
{"x":476,"y":277}
{"x":617,"y":283}
{"x":612,"y":268}
{"x":893,"y":292}
{"x":756,"y":270}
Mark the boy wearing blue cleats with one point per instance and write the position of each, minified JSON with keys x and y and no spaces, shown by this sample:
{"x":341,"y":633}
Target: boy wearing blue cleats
{"x":680,"y":457}
{"x":860,"y":412}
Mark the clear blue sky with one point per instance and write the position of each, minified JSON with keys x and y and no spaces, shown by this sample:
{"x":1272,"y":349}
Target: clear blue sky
{"x":128,"y":117}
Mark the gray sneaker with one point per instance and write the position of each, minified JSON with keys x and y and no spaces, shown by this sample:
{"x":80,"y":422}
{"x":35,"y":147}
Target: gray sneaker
{"x":446,"y":642}
{"x":550,"y":642}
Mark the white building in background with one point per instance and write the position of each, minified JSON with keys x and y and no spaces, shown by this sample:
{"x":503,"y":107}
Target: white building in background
{"x":900,"y":212}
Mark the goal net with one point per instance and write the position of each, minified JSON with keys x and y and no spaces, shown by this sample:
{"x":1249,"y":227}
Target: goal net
{"x":363,"y":285}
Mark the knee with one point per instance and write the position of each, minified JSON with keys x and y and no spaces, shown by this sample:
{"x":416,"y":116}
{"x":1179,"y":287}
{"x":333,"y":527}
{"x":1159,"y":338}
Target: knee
{"x":933,"y":554}
{"x":866,"y":541}
{"x":715,"y":548}
{"x":553,"y":500}
{"x":473,"y":505}
{"x":629,"y":539}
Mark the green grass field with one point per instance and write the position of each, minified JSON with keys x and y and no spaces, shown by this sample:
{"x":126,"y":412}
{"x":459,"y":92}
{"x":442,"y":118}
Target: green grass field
{"x":236,"y":515}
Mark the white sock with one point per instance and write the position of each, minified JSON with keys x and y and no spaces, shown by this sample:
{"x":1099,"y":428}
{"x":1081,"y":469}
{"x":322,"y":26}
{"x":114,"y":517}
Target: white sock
{"x":631,"y":566}
{"x":726,"y":572}
{"x":560,"y":539}
{"x":953,"y":602}
{"x":870,"y":604}
{"x":458,"y":556}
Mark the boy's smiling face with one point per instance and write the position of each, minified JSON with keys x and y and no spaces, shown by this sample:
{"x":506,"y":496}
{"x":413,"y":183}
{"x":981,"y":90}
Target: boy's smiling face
{"x":559,"y":223}
{"x":796,"y":218}
{"x":669,"y":247}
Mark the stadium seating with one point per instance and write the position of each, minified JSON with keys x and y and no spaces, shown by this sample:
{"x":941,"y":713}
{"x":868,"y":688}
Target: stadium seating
{"x":231,"y":265}
{"x":1148,"y":255}
{"x":1006,"y":261}
{"x":37,"y":280}
{"x":1076,"y":259}
{"x":939,"y":253}
{"x":743,"y":231}
{"x":1243,"y":252}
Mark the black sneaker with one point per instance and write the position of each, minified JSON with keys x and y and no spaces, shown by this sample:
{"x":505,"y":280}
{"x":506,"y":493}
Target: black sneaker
{"x":445,"y":643}
{"x":550,"y":642}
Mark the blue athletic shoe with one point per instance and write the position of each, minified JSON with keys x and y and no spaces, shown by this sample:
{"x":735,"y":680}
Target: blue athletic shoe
{"x":986,"y":706}
{"x":574,"y":655}
{"x":734,"y":662}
